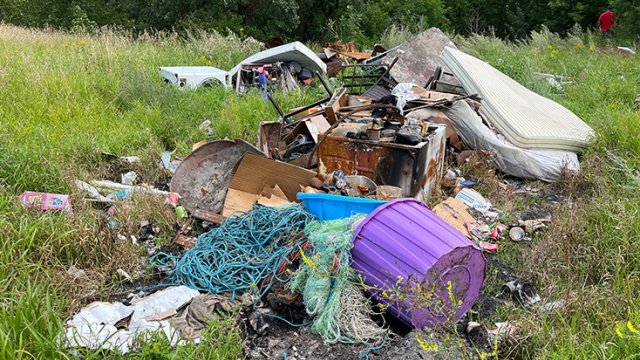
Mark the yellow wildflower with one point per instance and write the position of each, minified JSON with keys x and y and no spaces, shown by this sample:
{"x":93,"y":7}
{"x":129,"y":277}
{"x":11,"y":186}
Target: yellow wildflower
{"x":307,"y":261}
{"x":618,"y":332}
{"x":427,"y":346}
{"x":579,"y":46}
{"x":631,"y":328}
{"x":82,"y":43}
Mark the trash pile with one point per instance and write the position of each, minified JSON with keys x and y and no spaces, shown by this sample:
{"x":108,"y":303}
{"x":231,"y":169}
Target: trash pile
{"x":281,"y":67}
{"x":323,"y":223}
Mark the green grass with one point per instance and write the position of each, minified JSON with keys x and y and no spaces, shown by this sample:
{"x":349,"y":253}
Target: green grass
{"x":68,"y":97}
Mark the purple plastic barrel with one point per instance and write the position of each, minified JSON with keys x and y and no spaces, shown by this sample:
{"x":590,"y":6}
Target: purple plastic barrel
{"x":421,"y":267}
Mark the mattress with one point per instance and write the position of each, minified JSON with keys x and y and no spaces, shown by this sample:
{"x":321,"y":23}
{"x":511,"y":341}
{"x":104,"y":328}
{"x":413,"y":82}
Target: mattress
{"x":523,"y":117}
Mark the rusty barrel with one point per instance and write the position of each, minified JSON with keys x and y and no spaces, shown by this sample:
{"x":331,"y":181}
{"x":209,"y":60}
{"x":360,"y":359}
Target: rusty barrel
{"x":424,"y":270}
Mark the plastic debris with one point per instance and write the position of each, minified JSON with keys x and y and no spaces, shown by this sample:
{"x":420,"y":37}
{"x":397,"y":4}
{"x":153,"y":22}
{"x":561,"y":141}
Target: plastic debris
{"x":125,"y":159}
{"x":91,"y":191}
{"x":129,"y":178}
{"x":181,"y":212}
{"x":122,"y":191}
{"x":124,"y":275}
{"x":489,"y":247}
{"x":115,"y":326}
{"x":169,"y":164}
{"x":524,"y":293}
{"x":553,"y":306}
{"x":326,"y":272}
{"x":75,"y":272}
{"x":474,"y":199}
{"x":46,"y":201}
{"x":531,"y":226}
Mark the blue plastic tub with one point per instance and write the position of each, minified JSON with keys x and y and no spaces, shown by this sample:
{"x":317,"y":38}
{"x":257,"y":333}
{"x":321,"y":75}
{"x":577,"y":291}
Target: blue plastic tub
{"x":329,"y":207}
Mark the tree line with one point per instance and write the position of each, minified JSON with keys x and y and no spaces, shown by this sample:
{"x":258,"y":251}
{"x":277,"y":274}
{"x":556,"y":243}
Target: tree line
{"x":320,"y":20}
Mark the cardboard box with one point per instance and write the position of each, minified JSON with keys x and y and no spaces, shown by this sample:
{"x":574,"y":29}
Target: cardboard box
{"x":266,"y":181}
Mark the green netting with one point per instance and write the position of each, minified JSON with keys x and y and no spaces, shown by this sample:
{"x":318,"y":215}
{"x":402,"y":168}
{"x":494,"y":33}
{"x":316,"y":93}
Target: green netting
{"x":330,"y":287}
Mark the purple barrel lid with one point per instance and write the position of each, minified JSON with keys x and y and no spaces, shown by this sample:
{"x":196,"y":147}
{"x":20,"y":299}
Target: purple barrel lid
{"x":422,"y":268}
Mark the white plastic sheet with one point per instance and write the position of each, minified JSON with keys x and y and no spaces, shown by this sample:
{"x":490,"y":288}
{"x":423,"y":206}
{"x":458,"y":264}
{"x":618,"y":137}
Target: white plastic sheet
{"x":115,"y":326}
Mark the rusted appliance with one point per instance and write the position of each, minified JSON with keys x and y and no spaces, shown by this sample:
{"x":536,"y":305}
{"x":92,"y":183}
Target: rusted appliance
{"x":415,"y":169}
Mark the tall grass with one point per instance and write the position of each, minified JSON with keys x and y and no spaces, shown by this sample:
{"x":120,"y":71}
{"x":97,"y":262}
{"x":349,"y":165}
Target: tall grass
{"x":589,"y":256}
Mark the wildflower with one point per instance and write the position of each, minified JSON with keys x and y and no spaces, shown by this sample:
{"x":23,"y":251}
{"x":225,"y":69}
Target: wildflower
{"x":631,"y":328}
{"x":550,"y":47}
{"x":618,"y":332}
{"x":590,"y":47}
{"x":427,"y":346}
{"x":579,"y":46}
{"x":555,"y":52}
{"x":82,"y":43}
{"x":307,"y":261}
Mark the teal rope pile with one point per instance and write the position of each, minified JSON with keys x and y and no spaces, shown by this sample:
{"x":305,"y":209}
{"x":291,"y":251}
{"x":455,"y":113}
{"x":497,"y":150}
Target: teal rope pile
{"x":242,"y":252}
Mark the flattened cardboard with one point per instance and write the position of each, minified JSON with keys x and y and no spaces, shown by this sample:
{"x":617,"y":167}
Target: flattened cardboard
{"x":255,"y":176}
{"x":338,"y":100}
{"x":317,"y":126}
{"x":455,"y":213}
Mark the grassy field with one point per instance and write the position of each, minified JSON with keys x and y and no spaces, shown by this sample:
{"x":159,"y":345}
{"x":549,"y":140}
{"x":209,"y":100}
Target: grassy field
{"x":68,"y":97}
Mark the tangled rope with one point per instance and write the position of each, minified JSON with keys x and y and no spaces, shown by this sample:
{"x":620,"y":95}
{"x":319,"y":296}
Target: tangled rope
{"x":241,"y":253}
{"x":329,"y":286}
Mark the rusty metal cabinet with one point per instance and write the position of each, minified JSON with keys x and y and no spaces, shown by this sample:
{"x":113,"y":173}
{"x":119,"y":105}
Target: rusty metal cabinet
{"x":415,"y":169}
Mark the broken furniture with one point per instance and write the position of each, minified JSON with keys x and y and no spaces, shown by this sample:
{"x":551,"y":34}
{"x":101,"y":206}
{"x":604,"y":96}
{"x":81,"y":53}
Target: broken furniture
{"x":371,"y":80}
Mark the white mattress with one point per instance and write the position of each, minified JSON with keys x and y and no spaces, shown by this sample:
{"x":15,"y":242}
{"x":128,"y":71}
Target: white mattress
{"x":523,"y":117}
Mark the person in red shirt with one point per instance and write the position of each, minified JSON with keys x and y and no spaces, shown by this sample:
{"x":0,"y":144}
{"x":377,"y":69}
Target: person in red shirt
{"x":606,"y":21}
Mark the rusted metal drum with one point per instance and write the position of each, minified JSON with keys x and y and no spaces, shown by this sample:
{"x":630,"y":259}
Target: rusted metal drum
{"x":202,"y":179}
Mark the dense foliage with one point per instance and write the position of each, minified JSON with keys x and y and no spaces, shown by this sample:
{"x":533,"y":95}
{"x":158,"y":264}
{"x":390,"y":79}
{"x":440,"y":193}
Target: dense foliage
{"x":317,"y":20}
